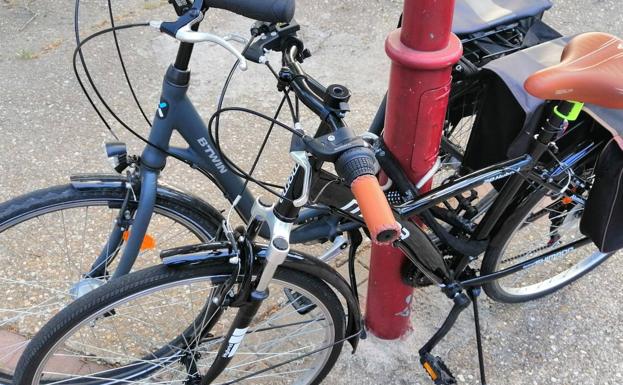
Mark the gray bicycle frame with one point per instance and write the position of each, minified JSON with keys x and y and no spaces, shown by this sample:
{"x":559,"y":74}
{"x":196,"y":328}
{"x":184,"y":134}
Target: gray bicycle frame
{"x":176,"y":112}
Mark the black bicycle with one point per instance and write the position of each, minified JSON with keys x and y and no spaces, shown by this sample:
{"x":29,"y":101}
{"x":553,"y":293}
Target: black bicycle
{"x":59,"y":243}
{"x":234,"y":310}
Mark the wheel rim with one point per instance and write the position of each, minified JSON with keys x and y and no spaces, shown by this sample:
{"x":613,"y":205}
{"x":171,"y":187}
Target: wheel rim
{"x":549,"y":226}
{"x":135,"y":349}
{"x":39,"y":262}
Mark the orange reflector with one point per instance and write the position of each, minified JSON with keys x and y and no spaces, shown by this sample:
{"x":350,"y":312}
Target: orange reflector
{"x":430,"y":371}
{"x":148,"y":241}
{"x":567,"y":200}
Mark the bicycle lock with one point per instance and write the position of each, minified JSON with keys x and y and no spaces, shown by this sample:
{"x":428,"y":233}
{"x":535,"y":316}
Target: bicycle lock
{"x":423,"y":52}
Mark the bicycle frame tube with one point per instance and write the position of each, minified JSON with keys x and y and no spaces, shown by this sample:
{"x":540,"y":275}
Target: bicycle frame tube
{"x":556,"y":253}
{"x":478,"y":178}
{"x":182,"y":116}
{"x":176,"y":112}
{"x":146,"y":203}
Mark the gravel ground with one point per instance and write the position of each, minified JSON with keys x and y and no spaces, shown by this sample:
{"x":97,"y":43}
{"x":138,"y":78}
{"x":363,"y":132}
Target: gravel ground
{"x":49,"y":132}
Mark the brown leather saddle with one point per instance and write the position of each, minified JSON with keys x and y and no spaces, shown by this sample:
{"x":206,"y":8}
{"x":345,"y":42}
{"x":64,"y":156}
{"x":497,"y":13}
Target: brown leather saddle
{"x":590,"y":71}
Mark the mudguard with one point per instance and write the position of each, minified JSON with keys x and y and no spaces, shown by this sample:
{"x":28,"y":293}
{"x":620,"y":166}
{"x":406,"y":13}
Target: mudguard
{"x":221,"y":253}
{"x":305,"y":263}
{"x":315,"y":267}
{"x":422,"y":252}
{"x":110,"y":181}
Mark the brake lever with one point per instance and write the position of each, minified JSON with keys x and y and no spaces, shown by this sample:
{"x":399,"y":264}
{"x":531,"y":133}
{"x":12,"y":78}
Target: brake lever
{"x":237,"y":38}
{"x":187,"y":35}
{"x":301,"y":158}
{"x":182,"y":31}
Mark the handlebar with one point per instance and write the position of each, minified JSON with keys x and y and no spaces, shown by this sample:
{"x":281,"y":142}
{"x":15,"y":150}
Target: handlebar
{"x":375,"y":210}
{"x":307,"y":90}
{"x":185,"y":27}
{"x":357,"y":167}
{"x":274,"y":11}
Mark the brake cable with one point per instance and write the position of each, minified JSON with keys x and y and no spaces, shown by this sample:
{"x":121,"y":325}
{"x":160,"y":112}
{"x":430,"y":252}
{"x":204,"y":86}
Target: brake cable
{"x":114,"y":28}
{"x":125,"y":72}
{"x":78,"y":53}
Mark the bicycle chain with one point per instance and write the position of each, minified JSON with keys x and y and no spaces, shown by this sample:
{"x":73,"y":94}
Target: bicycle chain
{"x":530,"y":252}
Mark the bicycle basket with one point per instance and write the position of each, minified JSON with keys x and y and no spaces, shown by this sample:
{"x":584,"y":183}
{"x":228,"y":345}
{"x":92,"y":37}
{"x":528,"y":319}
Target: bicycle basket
{"x":602,"y":219}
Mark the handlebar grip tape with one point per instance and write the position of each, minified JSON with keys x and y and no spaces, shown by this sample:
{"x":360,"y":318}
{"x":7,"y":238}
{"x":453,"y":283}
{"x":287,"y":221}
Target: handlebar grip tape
{"x":375,"y":210}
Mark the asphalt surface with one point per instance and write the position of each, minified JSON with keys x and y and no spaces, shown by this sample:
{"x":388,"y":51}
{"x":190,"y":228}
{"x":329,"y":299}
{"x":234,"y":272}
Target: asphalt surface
{"x":48,"y":131}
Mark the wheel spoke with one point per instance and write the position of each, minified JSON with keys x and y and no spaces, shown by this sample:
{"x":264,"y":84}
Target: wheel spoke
{"x":47,"y":248}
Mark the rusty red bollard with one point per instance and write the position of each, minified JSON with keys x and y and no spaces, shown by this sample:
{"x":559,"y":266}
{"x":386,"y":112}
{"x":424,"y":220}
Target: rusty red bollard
{"x":423,"y":52}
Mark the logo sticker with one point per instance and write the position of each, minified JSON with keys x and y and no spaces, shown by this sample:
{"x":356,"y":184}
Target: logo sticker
{"x":500,"y":176}
{"x":163,"y":109}
{"x":218,"y":163}
{"x":234,"y":342}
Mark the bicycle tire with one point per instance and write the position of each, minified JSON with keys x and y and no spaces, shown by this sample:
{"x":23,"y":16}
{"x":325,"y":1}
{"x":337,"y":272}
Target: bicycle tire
{"x":88,"y":310}
{"x":500,"y":242}
{"x":27,"y":220}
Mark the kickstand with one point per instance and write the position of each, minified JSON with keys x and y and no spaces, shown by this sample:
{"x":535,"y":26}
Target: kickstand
{"x":434,"y":365}
{"x":473,"y":295}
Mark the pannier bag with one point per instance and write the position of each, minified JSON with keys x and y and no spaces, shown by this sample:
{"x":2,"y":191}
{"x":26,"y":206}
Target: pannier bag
{"x":602,"y":220}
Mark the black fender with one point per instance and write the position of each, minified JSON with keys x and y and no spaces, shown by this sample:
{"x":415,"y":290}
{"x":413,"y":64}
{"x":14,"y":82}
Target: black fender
{"x":420,"y":250}
{"x":111,"y":181}
{"x":313,"y":266}
{"x":221,"y":253}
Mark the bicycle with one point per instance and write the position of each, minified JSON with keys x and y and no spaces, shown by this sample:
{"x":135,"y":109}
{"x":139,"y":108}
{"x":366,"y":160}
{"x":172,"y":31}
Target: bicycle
{"x":234,"y":275}
{"x":74,"y":221}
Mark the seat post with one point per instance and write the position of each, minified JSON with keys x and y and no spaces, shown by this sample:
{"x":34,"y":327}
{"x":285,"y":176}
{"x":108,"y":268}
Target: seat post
{"x":558,"y":119}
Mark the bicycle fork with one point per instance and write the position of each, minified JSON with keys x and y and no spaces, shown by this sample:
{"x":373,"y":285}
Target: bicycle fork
{"x":276,"y":254}
{"x":131,"y":221}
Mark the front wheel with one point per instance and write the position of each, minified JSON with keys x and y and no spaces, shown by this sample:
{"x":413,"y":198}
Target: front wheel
{"x":160,"y":325}
{"x":542,"y":224}
{"x":50,"y":238}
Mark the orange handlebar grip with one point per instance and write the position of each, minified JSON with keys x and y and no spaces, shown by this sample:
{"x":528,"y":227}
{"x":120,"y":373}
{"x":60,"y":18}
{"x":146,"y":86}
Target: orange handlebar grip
{"x":375,"y":210}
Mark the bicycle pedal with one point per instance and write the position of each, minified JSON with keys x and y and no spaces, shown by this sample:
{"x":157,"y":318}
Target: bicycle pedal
{"x":437,"y":370}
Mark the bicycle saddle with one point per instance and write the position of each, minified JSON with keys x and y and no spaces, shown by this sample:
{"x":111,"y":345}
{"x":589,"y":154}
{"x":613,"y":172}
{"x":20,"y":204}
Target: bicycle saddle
{"x":590,"y":71}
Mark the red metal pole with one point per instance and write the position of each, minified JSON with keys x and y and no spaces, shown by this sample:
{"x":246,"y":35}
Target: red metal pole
{"x":423,"y":52}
